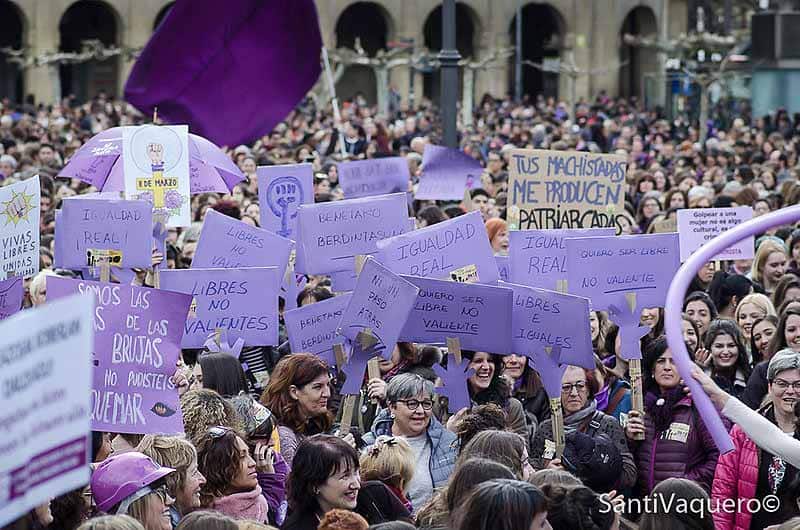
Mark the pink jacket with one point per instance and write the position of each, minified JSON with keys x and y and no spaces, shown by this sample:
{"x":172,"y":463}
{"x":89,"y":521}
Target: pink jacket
{"x":736,"y":477}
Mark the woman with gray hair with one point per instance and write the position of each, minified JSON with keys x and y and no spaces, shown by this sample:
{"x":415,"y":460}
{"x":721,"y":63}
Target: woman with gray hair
{"x":409,"y":416}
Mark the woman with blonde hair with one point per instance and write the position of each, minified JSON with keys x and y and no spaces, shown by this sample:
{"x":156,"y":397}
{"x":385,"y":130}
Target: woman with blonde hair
{"x":112,"y":522}
{"x":769,"y":264}
{"x":752,"y":307}
{"x":391,"y":461}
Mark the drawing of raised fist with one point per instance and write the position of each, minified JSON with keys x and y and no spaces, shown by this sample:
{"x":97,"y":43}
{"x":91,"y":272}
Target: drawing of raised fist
{"x":156,"y":153}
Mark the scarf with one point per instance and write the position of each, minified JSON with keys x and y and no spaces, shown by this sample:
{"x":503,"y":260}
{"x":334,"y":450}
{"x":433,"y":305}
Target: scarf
{"x":602,"y":398}
{"x":574,"y":420}
{"x":659,"y":407}
{"x":245,"y":505}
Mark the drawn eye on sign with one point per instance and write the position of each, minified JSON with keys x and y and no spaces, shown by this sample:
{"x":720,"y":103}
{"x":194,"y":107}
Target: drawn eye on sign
{"x":284,"y":196}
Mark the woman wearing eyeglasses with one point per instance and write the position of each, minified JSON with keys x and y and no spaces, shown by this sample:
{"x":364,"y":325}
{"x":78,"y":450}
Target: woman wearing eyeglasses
{"x":409,"y":415}
{"x":132,"y":484}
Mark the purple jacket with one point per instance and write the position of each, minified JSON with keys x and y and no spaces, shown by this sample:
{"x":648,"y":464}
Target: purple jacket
{"x":685,"y":450}
{"x":273,"y":488}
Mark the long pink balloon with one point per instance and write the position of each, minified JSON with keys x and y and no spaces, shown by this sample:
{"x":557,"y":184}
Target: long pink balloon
{"x":674,"y":308}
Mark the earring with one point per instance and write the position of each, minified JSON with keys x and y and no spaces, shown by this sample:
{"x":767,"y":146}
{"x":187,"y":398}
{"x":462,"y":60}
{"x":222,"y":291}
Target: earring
{"x":391,"y":415}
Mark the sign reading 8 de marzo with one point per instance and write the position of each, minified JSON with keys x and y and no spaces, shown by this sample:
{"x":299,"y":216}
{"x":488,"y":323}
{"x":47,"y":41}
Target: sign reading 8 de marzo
{"x":568,"y":189}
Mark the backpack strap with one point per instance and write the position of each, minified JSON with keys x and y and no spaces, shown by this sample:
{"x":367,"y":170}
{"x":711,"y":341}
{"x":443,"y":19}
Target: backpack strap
{"x":615,"y":400}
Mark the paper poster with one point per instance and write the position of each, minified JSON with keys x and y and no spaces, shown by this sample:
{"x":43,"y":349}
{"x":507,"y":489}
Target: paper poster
{"x":605,"y":269}
{"x":374,"y":176}
{"x":156,"y":164}
{"x":137,"y":335}
{"x":457,"y":249}
{"x":241,"y":302}
{"x":96,"y":231}
{"x":478,"y":315}
{"x":332,"y":233}
{"x":12,"y":292}
{"x":538,"y":258}
{"x":312,"y":328}
{"x":697,"y":226}
{"x":567,"y":189}
{"x":19,"y":228}
{"x":45,"y":362}
{"x":281,"y":191}
{"x":227,"y":243}
{"x":445,"y":173}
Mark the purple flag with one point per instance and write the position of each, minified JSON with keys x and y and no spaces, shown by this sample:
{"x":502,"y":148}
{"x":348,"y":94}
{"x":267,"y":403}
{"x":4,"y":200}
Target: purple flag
{"x":227,"y":243}
{"x":445,"y":173}
{"x":11,"y":294}
{"x":538,"y":258}
{"x":478,"y":315}
{"x":137,"y":335}
{"x":192,"y":68}
{"x":281,"y":191}
{"x":374,"y":176}
{"x":380,"y":303}
{"x":312,"y":328}
{"x":450,"y":250}
{"x":242,"y":302}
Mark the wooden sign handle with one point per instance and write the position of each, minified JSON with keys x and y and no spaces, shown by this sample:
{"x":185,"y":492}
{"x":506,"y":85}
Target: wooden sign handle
{"x":105,"y":271}
{"x":347,"y":415}
{"x":454,"y":347}
{"x":341,"y":357}
{"x":373,"y":372}
{"x":557,"y":415}
{"x":635,"y":371}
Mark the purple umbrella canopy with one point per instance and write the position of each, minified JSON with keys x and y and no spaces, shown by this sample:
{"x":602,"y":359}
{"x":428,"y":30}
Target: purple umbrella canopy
{"x":99,"y":163}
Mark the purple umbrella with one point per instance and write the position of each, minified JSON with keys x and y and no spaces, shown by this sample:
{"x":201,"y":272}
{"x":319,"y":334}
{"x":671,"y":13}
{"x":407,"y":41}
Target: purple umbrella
{"x":99,"y":163}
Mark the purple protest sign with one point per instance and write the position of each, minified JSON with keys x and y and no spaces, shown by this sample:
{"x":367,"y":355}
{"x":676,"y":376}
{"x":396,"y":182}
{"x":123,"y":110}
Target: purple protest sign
{"x":542,"y":319}
{"x":697,"y":226}
{"x":137,"y":341}
{"x":503,"y":267}
{"x":227,"y":243}
{"x":312,"y":328}
{"x":242,"y":302}
{"x":538,"y":258}
{"x":291,"y":287}
{"x":374,"y":176}
{"x":93,"y":230}
{"x":343,"y":281}
{"x":454,"y":383}
{"x":332,"y":233}
{"x":478,"y":315}
{"x":604,"y":269}
{"x":445,"y":173}
{"x":11,"y":294}
{"x":442,"y":251}
{"x":380,"y":303}
{"x":281,"y":191}
{"x":550,"y":369}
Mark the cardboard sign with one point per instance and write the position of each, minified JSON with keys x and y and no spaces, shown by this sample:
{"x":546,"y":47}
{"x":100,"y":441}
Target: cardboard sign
{"x":241,"y":302}
{"x":697,"y":226}
{"x":45,"y":362}
{"x":604,"y":269}
{"x":543,"y":319}
{"x":343,"y":281}
{"x":137,"y":341}
{"x":281,"y":191}
{"x":96,"y":231}
{"x":156,"y":165}
{"x":12,"y":292}
{"x":19,"y":235}
{"x":478,"y":315}
{"x":456,"y":249}
{"x":538,"y":258}
{"x":332,"y":233}
{"x":445,"y":173}
{"x":226,"y":243}
{"x":380,"y":303}
{"x":567,"y":189}
{"x":312,"y":328}
{"x":503,"y":267}
{"x":374,"y":176}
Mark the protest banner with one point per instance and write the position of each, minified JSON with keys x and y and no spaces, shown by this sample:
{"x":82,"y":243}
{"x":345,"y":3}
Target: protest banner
{"x":137,"y":341}
{"x":478,"y":315}
{"x":12,"y":292}
{"x":312,"y":328}
{"x":281,"y":191}
{"x":567,"y":189}
{"x":543,"y":319}
{"x":698,"y":226}
{"x":538,"y":258}
{"x":241,"y":302}
{"x":45,"y":362}
{"x":604,"y":269}
{"x":374,"y":176}
{"x":456,"y":249}
{"x":98,"y":231}
{"x":503,"y":267}
{"x":227,"y":243}
{"x":380,"y":305}
{"x":19,"y":212}
{"x":445,"y":173}
{"x":331,"y":234}
{"x":156,"y":166}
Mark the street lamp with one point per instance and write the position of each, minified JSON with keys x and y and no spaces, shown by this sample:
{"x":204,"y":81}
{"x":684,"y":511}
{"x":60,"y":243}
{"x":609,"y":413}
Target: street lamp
{"x":448,"y":59}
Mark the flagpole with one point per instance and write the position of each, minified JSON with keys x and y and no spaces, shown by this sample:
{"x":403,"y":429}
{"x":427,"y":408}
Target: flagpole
{"x":337,"y":118}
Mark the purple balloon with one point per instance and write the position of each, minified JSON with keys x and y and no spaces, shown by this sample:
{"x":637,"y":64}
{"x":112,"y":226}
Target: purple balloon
{"x":674,"y":305}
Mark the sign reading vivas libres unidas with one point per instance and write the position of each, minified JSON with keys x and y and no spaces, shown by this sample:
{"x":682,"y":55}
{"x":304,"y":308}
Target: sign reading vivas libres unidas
{"x":567,"y":189}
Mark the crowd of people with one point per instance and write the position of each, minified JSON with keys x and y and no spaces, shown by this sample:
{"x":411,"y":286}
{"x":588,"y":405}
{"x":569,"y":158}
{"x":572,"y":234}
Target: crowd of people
{"x":263,"y":444}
